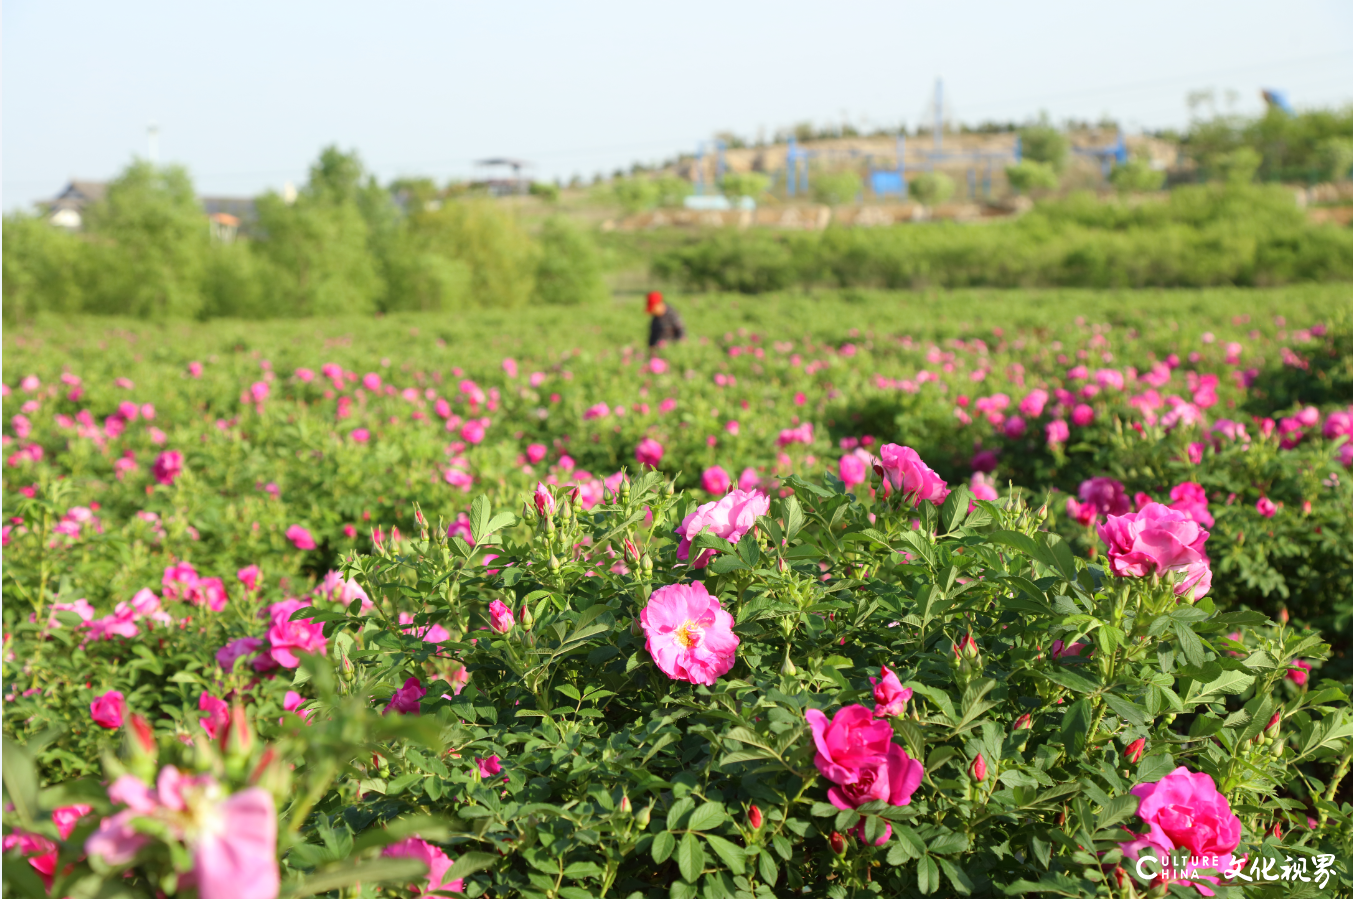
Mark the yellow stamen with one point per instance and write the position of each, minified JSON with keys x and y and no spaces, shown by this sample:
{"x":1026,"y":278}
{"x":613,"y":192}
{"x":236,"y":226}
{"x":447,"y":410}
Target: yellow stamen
{"x":688,"y":634}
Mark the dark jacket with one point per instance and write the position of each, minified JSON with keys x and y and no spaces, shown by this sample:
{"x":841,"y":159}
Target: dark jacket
{"x":666,"y":328}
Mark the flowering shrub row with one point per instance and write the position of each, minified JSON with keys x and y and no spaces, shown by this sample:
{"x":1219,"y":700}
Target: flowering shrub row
{"x":258,"y":639}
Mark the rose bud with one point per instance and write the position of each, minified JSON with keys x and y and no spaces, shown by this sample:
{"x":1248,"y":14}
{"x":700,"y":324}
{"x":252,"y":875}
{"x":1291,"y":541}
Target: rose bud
{"x":838,"y":842}
{"x":1134,"y":750}
{"x":979,"y":768}
{"x":1024,"y":722}
{"x":754,"y":817}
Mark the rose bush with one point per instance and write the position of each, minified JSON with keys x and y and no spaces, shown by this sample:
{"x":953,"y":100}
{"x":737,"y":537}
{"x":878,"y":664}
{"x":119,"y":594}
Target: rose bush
{"x":605,"y":678}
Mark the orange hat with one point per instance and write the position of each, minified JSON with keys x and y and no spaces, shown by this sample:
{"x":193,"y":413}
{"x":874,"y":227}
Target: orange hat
{"x":654,"y":301}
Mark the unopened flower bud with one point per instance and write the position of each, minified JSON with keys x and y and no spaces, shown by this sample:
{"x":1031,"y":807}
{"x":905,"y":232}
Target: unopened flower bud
{"x":636,"y":627}
{"x":1134,"y":750}
{"x":966,"y":648}
{"x":625,"y":807}
{"x":669,"y":489}
{"x":788,"y":668}
{"x":837,"y":842}
{"x":644,"y":815}
{"x":1024,"y":722}
{"x":1283,"y":616}
{"x":979,"y":768}
{"x":527,"y":619}
{"x":1277,"y":750}
{"x":239,"y":735}
{"x":1273,"y":728}
{"x":554,"y":564}
{"x":754,"y":817}
{"x":544,"y":500}
{"x":646,"y":564}
{"x":632,"y":554}
{"x":625,"y":490}
{"x":1043,"y":514}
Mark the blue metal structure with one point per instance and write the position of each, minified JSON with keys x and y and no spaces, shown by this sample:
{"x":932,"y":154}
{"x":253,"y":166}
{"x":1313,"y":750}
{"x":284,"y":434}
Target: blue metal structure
{"x":1114,"y":154}
{"x":719,"y":148}
{"x":1278,"y":99}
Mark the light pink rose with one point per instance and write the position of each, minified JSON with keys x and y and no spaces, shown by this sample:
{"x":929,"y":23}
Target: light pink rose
{"x":1057,"y":432}
{"x":852,"y":470}
{"x":249,"y":577}
{"x":218,"y":714}
{"x":903,"y":472}
{"x":237,"y":858}
{"x":689,"y":635}
{"x":1032,"y":405}
{"x":857,"y":754}
{"x":1155,"y":541}
{"x":730,"y":518}
{"x":1191,"y":499}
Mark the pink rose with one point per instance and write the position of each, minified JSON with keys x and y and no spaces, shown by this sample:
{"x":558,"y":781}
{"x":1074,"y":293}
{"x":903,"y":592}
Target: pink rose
{"x":535,"y":452}
{"x":168,"y":466}
{"x":1191,"y":499}
{"x":857,"y":754}
{"x":1184,"y":811}
{"x":1157,"y":540}
{"x":1082,"y":415}
{"x":435,"y":859}
{"x":300,"y":537}
{"x":689,"y":635}
{"x":218,"y":714}
{"x":489,"y":767}
{"x":1266,"y":507}
{"x":1339,"y":424}
{"x":649,"y":452}
{"x":544,"y":499}
{"x":730,"y":518}
{"x":1032,"y":405}
{"x":889,"y":694}
{"x":715,"y":480}
{"x":903,"y":472}
{"x":853,"y":470}
{"x":1106,"y":495}
{"x":286,"y":638}
{"x":500,"y":617}
{"x":109,"y":709}
{"x":406,"y":699}
{"x":249,"y":577}
{"x":1057,"y":432}
{"x":227,"y":655}
{"x":1297,"y":674}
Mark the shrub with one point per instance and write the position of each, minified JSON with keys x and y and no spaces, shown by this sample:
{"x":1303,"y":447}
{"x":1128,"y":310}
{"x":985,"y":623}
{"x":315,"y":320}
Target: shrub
{"x":1136,"y":176}
{"x":837,"y":188}
{"x":931,"y":188}
{"x":736,"y":185}
{"x":569,"y":269}
{"x":1030,"y":175}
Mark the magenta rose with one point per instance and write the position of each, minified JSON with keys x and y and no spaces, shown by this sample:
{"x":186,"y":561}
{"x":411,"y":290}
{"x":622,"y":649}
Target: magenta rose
{"x":1191,"y":499}
{"x":1155,"y":541}
{"x":903,"y":472}
{"x":1106,"y":494}
{"x":890,"y":697}
{"x":1184,"y":811}
{"x":857,"y":754}
{"x":729,"y":518}
{"x":286,"y":638}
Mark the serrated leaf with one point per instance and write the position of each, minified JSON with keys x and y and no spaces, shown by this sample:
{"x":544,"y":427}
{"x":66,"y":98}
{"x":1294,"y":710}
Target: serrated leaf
{"x":690,"y":857}
{"x":707,"y":816}
{"x":733,"y":856}
{"x":927,"y":875}
{"x":663,"y":844}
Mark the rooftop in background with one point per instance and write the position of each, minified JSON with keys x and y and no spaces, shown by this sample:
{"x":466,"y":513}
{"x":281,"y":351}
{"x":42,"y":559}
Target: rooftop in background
{"x":67,"y":208}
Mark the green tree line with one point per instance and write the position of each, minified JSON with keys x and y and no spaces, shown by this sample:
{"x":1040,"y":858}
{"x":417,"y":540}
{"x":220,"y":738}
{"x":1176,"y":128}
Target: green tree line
{"x":342,"y":246}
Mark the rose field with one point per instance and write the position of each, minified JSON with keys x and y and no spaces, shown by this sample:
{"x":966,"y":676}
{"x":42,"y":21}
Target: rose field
{"x":852,"y":593}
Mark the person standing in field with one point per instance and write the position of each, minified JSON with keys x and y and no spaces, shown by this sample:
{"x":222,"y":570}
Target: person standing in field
{"x":666,"y":326}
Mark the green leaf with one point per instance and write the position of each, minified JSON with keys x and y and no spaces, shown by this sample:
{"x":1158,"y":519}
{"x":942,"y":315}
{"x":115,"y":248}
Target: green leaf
{"x":765,"y":863}
{"x":727,"y":562}
{"x":683,"y":890}
{"x":1072,"y":680}
{"x":927,"y":875}
{"x":1189,"y":643}
{"x":479,"y":518}
{"x":1231,"y":683}
{"x":378,"y":870}
{"x":1116,"y":809}
{"x":733,"y":856}
{"x":21,"y":780}
{"x":690,"y":857}
{"x":794,"y":519}
{"x":956,"y":875}
{"x":948,"y":843}
{"x":707,"y":816}
{"x":468,"y":863}
{"x":663,"y":844}
{"x":1075,"y":726}
{"x":1126,"y":709}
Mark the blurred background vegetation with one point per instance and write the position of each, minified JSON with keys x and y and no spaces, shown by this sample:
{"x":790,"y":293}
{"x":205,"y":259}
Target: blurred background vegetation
{"x":1228,"y":213}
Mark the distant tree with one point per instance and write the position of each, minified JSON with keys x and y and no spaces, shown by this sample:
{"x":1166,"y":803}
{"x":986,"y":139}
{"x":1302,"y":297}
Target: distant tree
{"x":1136,"y":176}
{"x":1238,"y":166}
{"x":1044,"y":143}
{"x":672,"y":191}
{"x":568,"y":272}
{"x":152,"y":242}
{"x":1028,"y":175}
{"x":500,"y":255}
{"x":930,"y":188}
{"x":43,"y":268}
{"x":320,"y":255}
{"x":836,"y":188}
{"x":545,"y":190}
{"x":1336,"y":157}
{"x":635,"y":194}
{"x":737,"y":185}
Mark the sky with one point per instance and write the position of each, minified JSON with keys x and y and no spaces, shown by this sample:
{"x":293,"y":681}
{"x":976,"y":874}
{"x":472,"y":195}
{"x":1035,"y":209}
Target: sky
{"x":245,"y":94}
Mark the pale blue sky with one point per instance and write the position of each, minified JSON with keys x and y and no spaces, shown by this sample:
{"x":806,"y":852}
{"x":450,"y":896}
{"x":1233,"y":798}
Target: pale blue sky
{"x":246,"y":93}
